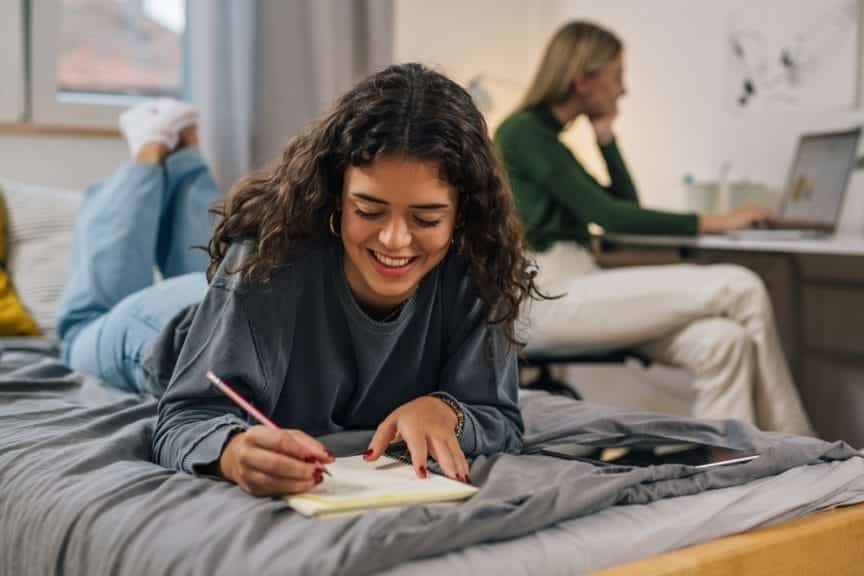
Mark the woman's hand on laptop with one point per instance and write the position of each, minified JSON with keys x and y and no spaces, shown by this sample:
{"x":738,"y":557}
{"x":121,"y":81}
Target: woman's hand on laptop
{"x":749,"y":216}
{"x":744,"y":216}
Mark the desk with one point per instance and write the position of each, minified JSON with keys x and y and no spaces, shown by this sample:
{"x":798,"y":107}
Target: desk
{"x":817,"y":290}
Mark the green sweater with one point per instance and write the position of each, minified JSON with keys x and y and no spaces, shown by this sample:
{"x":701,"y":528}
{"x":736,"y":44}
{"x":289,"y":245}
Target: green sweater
{"x":557,"y":198}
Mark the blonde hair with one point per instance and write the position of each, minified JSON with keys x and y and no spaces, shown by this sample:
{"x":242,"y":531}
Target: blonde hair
{"x":576,"y":47}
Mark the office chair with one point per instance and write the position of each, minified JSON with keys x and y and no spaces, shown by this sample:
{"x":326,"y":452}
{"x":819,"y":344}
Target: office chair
{"x":545,"y":358}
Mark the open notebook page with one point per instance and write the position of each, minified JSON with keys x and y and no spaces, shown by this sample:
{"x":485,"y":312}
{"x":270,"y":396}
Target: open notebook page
{"x":359,"y":485}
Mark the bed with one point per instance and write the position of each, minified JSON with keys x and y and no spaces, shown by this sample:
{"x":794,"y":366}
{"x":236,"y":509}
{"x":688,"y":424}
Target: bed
{"x":79,"y":494}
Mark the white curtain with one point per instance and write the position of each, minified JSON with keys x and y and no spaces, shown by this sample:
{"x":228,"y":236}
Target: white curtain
{"x":261,"y":70}
{"x":220,"y":65}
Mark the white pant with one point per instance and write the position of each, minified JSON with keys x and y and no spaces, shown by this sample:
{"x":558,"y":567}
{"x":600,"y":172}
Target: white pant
{"x":715,"y":321}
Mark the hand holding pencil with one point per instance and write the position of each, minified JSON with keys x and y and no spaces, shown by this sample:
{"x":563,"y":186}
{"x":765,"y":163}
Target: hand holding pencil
{"x":266,"y":460}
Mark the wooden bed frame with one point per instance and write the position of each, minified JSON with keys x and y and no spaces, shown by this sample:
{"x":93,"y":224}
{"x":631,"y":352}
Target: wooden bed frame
{"x":829,"y":543}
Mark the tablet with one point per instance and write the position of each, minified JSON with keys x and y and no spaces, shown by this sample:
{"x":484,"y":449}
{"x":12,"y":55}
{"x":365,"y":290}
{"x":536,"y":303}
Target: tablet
{"x":697,"y":455}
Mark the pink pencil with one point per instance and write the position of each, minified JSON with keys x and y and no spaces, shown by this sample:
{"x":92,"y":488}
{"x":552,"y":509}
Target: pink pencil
{"x":241,"y":401}
{"x":244,"y":404}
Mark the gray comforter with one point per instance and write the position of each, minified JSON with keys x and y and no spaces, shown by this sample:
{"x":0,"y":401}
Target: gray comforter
{"x":79,"y":494}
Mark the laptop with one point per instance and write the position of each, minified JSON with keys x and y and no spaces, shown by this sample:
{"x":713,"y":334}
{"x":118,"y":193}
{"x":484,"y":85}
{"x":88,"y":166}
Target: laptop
{"x":815,"y":189}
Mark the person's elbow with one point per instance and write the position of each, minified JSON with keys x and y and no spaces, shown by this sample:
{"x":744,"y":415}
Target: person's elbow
{"x":161,"y":442}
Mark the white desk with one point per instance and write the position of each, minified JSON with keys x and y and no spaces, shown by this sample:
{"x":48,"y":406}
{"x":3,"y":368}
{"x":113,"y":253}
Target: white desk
{"x":837,"y":245}
{"x":817,"y":290}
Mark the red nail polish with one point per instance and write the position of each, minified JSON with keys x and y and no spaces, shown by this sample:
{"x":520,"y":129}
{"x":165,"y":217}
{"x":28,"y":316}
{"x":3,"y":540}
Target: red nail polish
{"x":367,"y":453}
{"x":467,"y":479}
{"x":422,"y":471}
{"x":319,"y":479}
{"x":309,"y":459}
{"x":330,"y":454}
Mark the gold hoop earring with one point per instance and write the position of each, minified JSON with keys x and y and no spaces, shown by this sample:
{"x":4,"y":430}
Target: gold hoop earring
{"x":332,"y":227}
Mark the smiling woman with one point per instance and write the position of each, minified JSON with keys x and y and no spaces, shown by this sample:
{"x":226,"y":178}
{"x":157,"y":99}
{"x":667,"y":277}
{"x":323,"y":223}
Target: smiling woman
{"x":397,"y":225}
{"x":369,"y":280}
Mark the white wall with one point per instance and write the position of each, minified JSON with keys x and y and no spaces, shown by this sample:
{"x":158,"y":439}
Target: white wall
{"x":675,"y":119}
{"x":501,"y":39}
{"x":69,"y":162}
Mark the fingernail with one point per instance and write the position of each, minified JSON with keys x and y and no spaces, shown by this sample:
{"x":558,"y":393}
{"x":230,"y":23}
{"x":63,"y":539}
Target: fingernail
{"x":319,"y":479}
{"x":460,"y":477}
{"x":367,"y":453}
{"x":330,"y":454}
{"x":309,"y":459}
{"x":423,"y":471}
{"x":468,"y":479}
{"x":319,"y":474}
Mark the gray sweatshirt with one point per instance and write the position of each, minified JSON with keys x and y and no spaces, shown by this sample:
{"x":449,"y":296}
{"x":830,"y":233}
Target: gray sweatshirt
{"x":302,"y":350}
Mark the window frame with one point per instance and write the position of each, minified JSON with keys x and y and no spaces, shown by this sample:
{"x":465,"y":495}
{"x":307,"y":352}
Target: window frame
{"x":48,"y":105}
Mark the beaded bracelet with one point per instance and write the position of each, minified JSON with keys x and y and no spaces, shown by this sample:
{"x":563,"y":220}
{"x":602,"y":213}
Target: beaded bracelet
{"x":456,"y":407}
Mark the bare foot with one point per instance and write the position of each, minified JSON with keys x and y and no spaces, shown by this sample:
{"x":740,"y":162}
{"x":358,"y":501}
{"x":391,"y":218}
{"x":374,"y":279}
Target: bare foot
{"x":188,"y":136}
{"x":152,"y":153}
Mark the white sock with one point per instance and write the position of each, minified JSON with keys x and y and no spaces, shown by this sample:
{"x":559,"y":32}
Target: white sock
{"x":145,"y":123}
{"x":177,"y":114}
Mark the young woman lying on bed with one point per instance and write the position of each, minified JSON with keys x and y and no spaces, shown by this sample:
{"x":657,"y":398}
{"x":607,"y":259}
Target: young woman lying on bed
{"x":370,"y":280}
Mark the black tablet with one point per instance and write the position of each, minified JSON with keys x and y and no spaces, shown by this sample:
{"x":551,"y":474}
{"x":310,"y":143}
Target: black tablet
{"x":698,"y":455}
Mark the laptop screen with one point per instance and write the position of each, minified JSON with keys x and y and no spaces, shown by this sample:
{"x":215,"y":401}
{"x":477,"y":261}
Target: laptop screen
{"x":819,"y":176}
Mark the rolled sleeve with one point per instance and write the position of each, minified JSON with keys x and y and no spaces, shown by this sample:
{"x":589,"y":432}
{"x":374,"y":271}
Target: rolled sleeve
{"x":212,"y":435}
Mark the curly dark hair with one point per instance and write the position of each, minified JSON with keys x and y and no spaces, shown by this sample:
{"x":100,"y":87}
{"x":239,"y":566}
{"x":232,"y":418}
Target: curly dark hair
{"x":404,"y":110}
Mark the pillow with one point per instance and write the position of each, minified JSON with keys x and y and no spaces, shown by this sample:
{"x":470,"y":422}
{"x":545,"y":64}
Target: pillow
{"x":41,"y":225}
{"x":14,"y":319}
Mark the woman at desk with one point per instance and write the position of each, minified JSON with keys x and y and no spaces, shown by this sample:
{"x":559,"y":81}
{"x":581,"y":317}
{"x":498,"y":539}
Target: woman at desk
{"x":715,"y":321}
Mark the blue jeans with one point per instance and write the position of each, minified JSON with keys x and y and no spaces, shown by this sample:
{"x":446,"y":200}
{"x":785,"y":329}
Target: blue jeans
{"x":145,"y":217}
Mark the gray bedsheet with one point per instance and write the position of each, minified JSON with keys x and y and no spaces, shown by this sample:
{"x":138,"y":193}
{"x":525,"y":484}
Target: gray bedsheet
{"x":79,"y":495}
{"x":621,"y":534}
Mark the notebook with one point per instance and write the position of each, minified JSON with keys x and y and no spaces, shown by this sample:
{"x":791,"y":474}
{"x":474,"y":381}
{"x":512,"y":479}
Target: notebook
{"x":357,"y":485}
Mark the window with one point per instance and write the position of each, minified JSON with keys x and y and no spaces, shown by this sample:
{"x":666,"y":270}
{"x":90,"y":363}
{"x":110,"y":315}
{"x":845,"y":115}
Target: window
{"x":91,"y":59}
